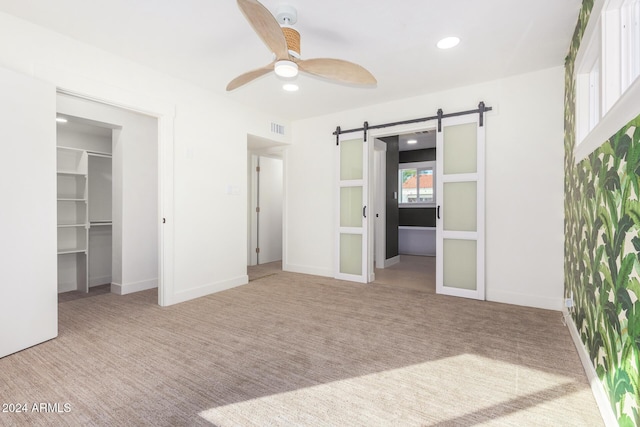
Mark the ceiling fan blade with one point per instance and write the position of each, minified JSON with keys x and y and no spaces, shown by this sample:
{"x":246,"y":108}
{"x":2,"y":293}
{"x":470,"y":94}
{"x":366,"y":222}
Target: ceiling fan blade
{"x":266,"y":26}
{"x":248,"y":77}
{"x":338,"y":70}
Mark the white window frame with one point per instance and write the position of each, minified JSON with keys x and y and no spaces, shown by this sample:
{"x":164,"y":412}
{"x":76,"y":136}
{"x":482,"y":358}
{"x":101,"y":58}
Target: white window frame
{"x":607,"y":70}
{"x":418,"y":166}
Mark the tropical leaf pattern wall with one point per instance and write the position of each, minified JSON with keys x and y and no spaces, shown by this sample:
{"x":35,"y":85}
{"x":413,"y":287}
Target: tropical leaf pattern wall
{"x":602,"y":249}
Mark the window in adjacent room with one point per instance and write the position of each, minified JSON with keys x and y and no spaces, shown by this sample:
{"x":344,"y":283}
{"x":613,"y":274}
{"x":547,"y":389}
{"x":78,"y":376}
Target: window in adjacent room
{"x":416,"y":184}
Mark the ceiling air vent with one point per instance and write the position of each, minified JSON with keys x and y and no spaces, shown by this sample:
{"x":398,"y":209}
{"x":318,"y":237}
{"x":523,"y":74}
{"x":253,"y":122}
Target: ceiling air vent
{"x":276,"y":128}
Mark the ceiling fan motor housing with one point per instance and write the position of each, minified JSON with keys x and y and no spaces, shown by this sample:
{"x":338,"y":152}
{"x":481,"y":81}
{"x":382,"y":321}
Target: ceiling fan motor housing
{"x":293,"y":40}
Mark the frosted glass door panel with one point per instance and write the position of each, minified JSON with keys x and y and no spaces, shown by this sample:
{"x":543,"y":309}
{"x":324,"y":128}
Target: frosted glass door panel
{"x":460,"y":264}
{"x":351,"y":207}
{"x":351,"y":161}
{"x":460,"y":149}
{"x":460,"y":206}
{"x":351,"y":254}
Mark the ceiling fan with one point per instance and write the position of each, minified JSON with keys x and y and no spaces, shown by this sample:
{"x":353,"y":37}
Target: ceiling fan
{"x":284,"y":42}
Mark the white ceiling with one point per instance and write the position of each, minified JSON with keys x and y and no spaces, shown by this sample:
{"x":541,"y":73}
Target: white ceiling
{"x":425,"y":139}
{"x":209,"y":42}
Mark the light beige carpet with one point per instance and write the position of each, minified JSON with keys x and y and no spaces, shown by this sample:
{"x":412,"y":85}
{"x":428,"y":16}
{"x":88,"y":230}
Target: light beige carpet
{"x":296,"y":350}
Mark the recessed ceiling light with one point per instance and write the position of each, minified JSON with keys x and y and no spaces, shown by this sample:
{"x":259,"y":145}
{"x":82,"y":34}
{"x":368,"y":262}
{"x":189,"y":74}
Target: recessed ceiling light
{"x":61,"y":120}
{"x":448,"y":42}
{"x":290,"y":87}
{"x":412,"y":141}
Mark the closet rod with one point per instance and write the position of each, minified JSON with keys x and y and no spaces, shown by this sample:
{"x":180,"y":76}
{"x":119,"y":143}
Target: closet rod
{"x":440,"y":115}
{"x":96,"y":154}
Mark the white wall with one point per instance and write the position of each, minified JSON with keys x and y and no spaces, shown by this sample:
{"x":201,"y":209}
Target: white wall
{"x":524,"y":183}
{"x":204,"y":152}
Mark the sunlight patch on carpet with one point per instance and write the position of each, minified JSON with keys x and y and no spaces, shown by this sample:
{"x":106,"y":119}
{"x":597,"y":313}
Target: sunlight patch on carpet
{"x":465,"y":390}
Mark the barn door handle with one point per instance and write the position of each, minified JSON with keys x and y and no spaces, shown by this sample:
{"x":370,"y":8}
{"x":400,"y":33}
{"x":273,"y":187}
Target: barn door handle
{"x":438,"y":212}
{"x":364,"y":212}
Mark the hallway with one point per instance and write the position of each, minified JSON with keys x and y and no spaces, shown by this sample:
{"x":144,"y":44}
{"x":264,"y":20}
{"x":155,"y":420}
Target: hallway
{"x":412,"y":272}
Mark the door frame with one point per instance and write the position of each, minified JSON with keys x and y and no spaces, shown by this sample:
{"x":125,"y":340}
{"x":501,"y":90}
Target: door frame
{"x":92,"y":90}
{"x":381,"y":133}
{"x":257,"y":147}
{"x":378,"y":202}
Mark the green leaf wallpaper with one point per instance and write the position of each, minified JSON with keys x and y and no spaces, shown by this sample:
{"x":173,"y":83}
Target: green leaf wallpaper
{"x":602,"y":249}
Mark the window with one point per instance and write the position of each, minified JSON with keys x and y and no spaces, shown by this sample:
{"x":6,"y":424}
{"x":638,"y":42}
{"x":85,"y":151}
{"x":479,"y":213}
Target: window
{"x":607,"y":66}
{"x":416,"y":184}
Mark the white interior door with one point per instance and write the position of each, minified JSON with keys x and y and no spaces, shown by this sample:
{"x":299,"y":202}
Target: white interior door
{"x":352,"y":214}
{"x":28,"y":247}
{"x":270,"y":215}
{"x":460,"y":208}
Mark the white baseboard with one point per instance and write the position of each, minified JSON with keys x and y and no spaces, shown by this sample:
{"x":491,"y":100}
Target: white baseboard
{"x":305,"y":269}
{"x":391,"y":261}
{"x":128,"y":288}
{"x":597,"y":389}
{"x":97,"y":281}
{"x":526,"y":300}
{"x":210,"y":288}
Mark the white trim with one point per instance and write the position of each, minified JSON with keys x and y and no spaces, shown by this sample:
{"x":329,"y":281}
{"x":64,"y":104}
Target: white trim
{"x":98,"y":281}
{"x":525,"y":300}
{"x":306,"y":269}
{"x":378,"y":192}
{"x":391,"y":261}
{"x":602,"y":400}
{"x":352,"y":182}
{"x":460,"y":235}
{"x":460,"y":177}
{"x":351,"y":230}
{"x":129,"y":288}
{"x":623,"y":111}
{"x":210,"y":288}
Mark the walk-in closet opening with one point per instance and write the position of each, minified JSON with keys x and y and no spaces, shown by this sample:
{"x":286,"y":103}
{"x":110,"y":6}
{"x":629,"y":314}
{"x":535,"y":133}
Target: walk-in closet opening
{"x":404,"y":169}
{"x":107,"y":197}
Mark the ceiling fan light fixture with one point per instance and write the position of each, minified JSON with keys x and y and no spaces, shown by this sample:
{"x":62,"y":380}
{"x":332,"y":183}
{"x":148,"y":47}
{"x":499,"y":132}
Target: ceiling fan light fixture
{"x":290,"y":87}
{"x":286,"y":69}
{"x":448,"y":42}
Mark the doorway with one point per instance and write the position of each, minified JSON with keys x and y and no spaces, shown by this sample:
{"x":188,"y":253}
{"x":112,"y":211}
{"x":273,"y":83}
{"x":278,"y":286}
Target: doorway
{"x":113,"y":217}
{"x":265,"y":199}
{"x":405,"y":218}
